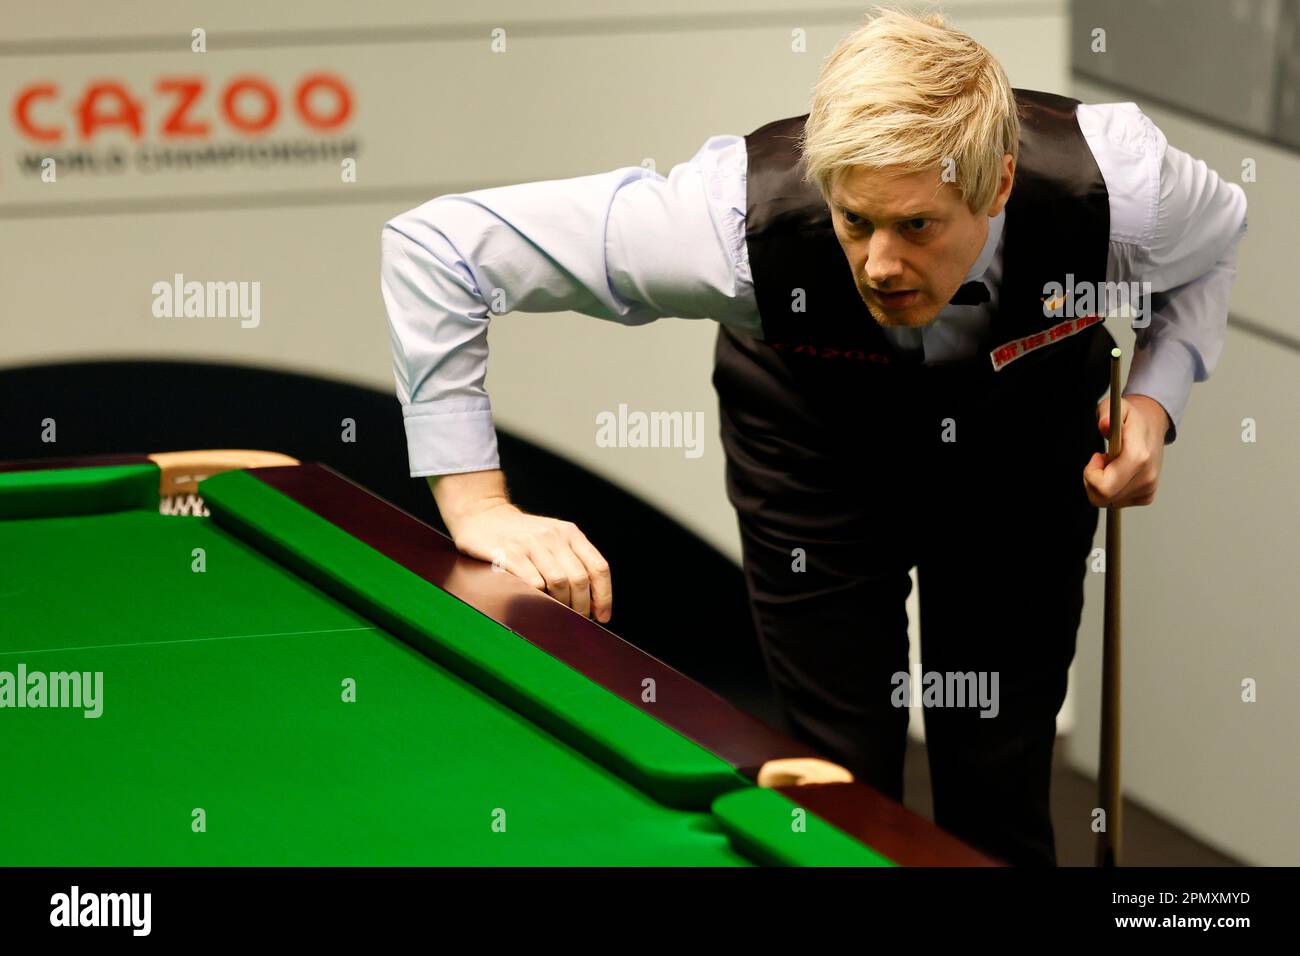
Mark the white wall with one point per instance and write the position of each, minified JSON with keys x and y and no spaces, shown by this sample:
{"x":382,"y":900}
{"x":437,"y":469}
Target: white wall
{"x":1210,"y":596}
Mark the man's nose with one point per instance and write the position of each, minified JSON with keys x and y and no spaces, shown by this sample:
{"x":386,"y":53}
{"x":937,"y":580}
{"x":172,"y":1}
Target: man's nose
{"x":883,"y":264}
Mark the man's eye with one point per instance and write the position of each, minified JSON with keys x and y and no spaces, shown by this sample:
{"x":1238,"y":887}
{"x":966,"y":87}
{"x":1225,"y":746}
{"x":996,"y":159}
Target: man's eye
{"x":918,"y":225}
{"x":851,"y":218}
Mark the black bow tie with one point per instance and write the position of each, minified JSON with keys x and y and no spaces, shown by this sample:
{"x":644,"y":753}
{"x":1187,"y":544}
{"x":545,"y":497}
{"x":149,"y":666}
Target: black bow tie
{"x":970,"y":293}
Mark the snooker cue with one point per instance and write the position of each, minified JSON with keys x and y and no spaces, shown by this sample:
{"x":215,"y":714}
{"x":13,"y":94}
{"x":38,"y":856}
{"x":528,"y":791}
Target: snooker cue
{"x":1108,"y":841}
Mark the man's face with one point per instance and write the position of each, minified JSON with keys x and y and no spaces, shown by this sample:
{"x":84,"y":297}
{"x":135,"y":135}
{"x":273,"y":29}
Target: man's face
{"x":910,"y":235}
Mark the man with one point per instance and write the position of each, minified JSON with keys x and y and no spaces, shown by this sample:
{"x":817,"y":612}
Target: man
{"x":909,"y":366}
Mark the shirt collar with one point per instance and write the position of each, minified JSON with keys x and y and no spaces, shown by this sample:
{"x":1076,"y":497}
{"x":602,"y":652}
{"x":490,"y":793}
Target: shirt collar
{"x":985,"y":258}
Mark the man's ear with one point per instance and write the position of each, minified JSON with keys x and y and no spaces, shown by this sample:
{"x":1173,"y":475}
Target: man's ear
{"x":1006,"y":180}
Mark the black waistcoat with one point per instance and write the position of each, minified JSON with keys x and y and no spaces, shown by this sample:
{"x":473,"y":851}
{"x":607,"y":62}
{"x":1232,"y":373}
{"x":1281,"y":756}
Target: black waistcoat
{"x":1057,"y":224}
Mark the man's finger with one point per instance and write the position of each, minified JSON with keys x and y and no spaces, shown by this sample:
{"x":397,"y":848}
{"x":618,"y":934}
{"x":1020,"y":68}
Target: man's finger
{"x":579,"y":585}
{"x":1103,"y":415}
{"x":1093,"y":474}
{"x":1109,"y":480}
{"x":517,"y":563}
{"x":602,"y":588}
{"x":557,"y":580}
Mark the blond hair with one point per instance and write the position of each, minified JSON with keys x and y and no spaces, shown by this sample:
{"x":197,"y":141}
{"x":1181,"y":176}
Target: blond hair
{"x":910,"y":94}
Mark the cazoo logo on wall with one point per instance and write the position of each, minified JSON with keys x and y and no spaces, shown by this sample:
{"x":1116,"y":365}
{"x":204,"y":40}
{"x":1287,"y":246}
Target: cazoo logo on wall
{"x":180,"y":123}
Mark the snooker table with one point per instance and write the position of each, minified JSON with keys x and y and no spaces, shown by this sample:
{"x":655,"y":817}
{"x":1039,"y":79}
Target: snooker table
{"x":231,"y":658}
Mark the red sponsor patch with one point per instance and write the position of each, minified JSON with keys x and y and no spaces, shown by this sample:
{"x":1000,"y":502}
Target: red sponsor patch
{"x":1007,"y":353}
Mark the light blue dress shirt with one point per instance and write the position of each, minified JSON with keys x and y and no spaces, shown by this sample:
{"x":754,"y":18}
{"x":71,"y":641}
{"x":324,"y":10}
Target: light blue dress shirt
{"x":632,"y":246}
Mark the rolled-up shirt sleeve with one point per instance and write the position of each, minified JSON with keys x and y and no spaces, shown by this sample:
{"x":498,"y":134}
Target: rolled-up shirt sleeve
{"x":1188,"y":325}
{"x":628,"y":246}
{"x":1175,"y":224}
